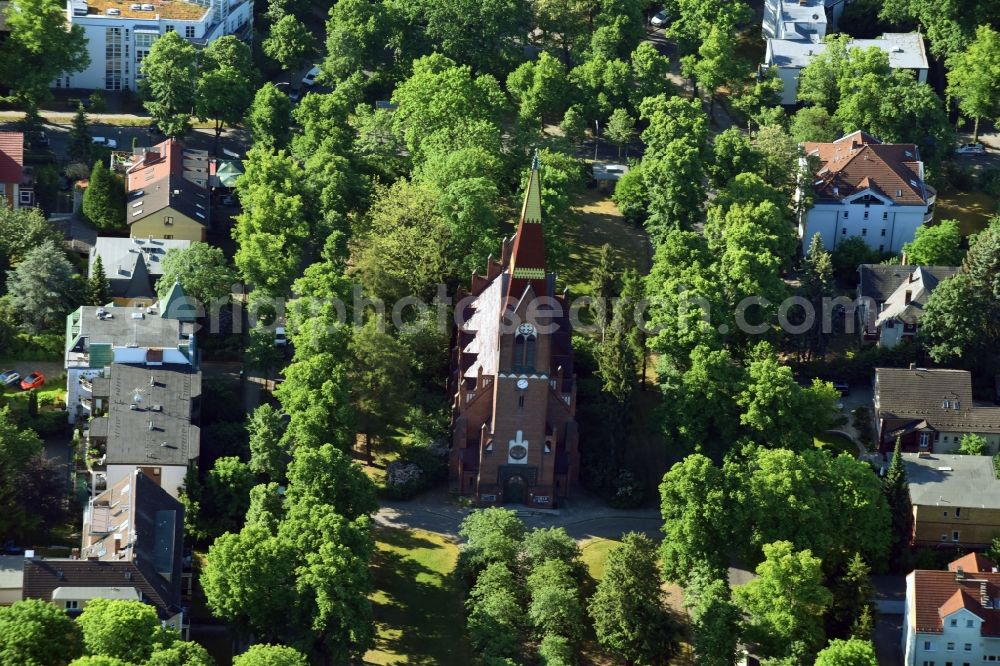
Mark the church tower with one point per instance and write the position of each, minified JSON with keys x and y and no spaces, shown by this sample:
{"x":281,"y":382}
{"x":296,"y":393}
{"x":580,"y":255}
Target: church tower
{"x":514,"y":435}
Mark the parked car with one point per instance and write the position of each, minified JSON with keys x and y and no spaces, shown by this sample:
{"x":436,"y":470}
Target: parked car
{"x":33,"y":381}
{"x":9,"y":378}
{"x":659,"y":19}
{"x":310,"y":78}
{"x":39,"y":140}
{"x":280,"y":340}
{"x":104,"y":141}
{"x":971,"y":149}
{"x":842,"y":387}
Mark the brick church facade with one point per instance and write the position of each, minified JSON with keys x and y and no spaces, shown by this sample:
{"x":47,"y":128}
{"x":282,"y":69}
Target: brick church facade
{"x":514,"y":437}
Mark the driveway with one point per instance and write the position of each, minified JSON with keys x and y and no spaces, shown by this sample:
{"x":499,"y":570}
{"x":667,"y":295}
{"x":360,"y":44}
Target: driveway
{"x":887,"y":639}
{"x":584,"y":517}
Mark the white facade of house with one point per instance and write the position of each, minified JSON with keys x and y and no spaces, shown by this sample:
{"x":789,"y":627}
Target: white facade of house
{"x":884,"y":225}
{"x":960,"y":642}
{"x":788,"y":57}
{"x":170,"y":477}
{"x":117,"y":43}
{"x":794,"y":19}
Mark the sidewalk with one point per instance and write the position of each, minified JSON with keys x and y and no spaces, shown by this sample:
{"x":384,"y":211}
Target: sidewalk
{"x":118,"y":119}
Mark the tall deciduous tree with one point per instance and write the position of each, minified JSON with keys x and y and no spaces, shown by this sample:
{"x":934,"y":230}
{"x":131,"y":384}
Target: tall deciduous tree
{"x":41,"y":46}
{"x":266,"y":427}
{"x":621,"y":129}
{"x":540,"y":87}
{"x":289,"y":43}
{"x":486,"y":34}
{"x":974,"y":78}
{"x":270,"y":117}
{"x":852,"y":652}
{"x":715,"y":620}
{"x":170,"y":83}
{"x":628,"y":609}
{"x":226,"y":79}
{"x":271,"y":655}
{"x":202,"y":270}
{"x":122,"y":629}
{"x":696,"y":519}
{"x":37,"y":633}
{"x":491,"y":535}
{"x":784,"y":605}
{"x":937,"y":245}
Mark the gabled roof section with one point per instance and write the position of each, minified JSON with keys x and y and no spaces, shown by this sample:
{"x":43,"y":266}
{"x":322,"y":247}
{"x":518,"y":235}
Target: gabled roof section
{"x":879,"y":281}
{"x":177,"y":305}
{"x":11,"y":157}
{"x":907,"y":302}
{"x":972,"y":563}
{"x":168,"y":175}
{"x":858,"y":162}
{"x":527,"y":259}
{"x":961,"y":600}
{"x":942,"y":397}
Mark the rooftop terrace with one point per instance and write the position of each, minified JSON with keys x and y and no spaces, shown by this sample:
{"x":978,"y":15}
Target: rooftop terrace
{"x":164,"y":9}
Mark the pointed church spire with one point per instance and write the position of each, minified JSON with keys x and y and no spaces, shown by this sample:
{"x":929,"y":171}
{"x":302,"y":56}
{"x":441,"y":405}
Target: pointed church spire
{"x":527,"y":260}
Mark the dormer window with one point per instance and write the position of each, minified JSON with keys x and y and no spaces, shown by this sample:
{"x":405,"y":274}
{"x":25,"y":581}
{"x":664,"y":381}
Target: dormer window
{"x":945,"y":404}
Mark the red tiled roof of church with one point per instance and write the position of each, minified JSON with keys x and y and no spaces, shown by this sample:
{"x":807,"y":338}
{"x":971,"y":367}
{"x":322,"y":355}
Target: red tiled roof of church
{"x":527,"y":259}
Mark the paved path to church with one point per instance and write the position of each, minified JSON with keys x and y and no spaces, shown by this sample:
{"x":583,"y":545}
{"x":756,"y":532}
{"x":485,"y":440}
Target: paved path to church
{"x":583,"y":517}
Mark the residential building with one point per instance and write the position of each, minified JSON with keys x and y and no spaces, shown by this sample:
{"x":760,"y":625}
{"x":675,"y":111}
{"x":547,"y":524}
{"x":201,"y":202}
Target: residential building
{"x":891,"y":299}
{"x":132,"y":548}
{"x":956,"y":499}
{"x":514,"y":436}
{"x":863,"y":188}
{"x":803,"y":20}
{"x":952,"y":618}
{"x":789,"y":56}
{"x":133,"y":265}
{"x":930,"y":410}
{"x":145,"y":415}
{"x":16,"y":186}
{"x":157,"y":334}
{"x":168,"y":195}
{"x":121,"y":33}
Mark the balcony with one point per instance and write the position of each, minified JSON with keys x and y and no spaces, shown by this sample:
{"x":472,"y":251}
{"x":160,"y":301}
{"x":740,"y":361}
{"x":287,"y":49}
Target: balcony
{"x":86,"y":384}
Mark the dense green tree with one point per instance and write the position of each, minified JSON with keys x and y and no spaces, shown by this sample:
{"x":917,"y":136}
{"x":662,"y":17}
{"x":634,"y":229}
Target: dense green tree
{"x":491,"y":535}
{"x":813,"y":123}
{"x":832,"y":74}
{"x":170,"y":83}
{"x":604,"y":84}
{"x":486,"y":34}
{"x":269,"y":118}
{"x":540,"y":88}
{"x":853,"y":652}
{"x":937,"y":245}
{"x":784,"y":605}
{"x":40,"y":47}
{"x":328,"y":476}
{"x":316,"y":395}
{"x":780,"y":156}
{"x":44,"y":287}
{"x":816,"y":285}
{"x":98,"y":660}
{"x":266,"y":427}
{"x":949,"y":26}
{"x":715,"y":621}
{"x":649,"y":72}
{"x":733,"y":154}
{"x":270,"y":655}
{"x":696,"y":523}
{"x":956,"y":324}
{"x":181,"y":653}
{"x":273,"y":228}
{"x":289,"y":43}
{"x":226,"y":495}
{"x":380,"y":380}
{"x":631,"y":196}
{"x":829,"y":505}
{"x":573,"y":125}
{"x":98,"y":286}
{"x":564,"y":25}
{"x":552,"y":543}
{"x":897,"y":495}
{"x":717,"y":63}
{"x":202,"y":271}
{"x":556,"y":650}
{"x":628,"y":609}
{"x":122,"y":629}
{"x":676,"y":190}
{"x":974,"y":78}
{"x":226,"y":80}
{"x":104,"y":199}
{"x":672,"y":118}
{"x":852,"y":593}
{"x":621,"y":129}
{"x":354,"y":36}
{"x":266,"y":506}
{"x":495,"y":616}
{"x":81,"y":145}
{"x":695,"y":20}
{"x":848,"y":255}
{"x":36,"y":633}
{"x":555,"y":606}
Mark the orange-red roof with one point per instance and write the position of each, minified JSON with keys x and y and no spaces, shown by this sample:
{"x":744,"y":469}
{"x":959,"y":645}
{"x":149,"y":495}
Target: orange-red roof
{"x":11,"y":157}
{"x":859,"y":162}
{"x":972,"y":563}
{"x":938,"y":594}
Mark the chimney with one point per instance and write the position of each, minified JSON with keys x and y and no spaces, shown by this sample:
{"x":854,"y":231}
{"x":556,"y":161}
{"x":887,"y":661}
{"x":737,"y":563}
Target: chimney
{"x":117,"y":544}
{"x":913,"y":366}
{"x":959,"y":573}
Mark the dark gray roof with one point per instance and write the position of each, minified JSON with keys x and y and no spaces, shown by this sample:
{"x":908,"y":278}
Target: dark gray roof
{"x":879,"y":281}
{"x":160,"y":430}
{"x":132,"y":264}
{"x":170,"y":191}
{"x":121,"y":329}
{"x":942,"y":398}
{"x":952,"y":480}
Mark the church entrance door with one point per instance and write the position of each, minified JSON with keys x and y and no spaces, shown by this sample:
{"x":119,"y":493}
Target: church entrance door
{"x":513,"y":491}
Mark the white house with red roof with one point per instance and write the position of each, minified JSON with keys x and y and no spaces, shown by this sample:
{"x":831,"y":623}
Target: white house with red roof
{"x":952,"y":618}
{"x":864,"y":188}
{"x":15,"y":181}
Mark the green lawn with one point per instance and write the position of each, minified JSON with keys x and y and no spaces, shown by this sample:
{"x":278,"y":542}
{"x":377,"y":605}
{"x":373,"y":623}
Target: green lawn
{"x":972,"y":210}
{"x":599,"y":222}
{"x":595,"y":555}
{"x":835,"y":444}
{"x":418,"y":606}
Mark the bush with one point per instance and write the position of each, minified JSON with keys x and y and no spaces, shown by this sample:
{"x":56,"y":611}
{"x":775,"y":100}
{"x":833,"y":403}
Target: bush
{"x":403,"y":480}
{"x":989,"y":182}
{"x":628,"y":490}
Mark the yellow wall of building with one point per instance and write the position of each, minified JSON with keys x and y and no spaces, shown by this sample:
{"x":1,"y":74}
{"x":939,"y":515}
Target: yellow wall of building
{"x":975,"y":526}
{"x":153,"y":226}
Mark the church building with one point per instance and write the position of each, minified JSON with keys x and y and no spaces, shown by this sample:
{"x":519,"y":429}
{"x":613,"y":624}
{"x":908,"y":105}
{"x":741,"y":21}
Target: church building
{"x":514,"y":438}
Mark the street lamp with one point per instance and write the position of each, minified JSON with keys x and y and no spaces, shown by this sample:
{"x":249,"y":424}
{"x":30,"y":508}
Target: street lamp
{"x":597,"y":132}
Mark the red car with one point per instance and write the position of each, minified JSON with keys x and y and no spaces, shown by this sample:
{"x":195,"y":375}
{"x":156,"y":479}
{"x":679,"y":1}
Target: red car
{"x":34,"y":380}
